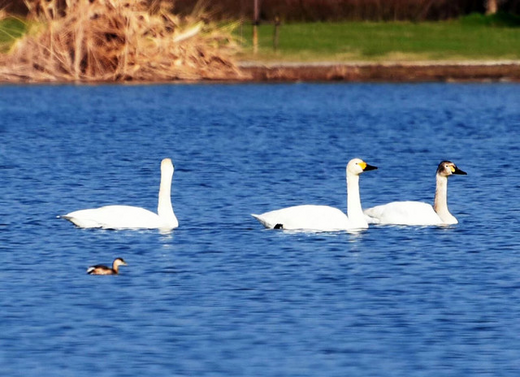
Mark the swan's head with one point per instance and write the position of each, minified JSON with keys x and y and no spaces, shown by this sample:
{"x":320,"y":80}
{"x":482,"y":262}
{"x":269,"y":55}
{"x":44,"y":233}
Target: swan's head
{"x":167,"y":166}
{"x":118,"y":262}
{"x":447,"y":168}
{"x":357,"y":166}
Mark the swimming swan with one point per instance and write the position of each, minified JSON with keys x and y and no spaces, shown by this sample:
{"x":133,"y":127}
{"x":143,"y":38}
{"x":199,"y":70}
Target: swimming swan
{"x":128,"y":217}
{"x":104,"y":270}
{"x":419,"y":213}
{"x":323,"y":218}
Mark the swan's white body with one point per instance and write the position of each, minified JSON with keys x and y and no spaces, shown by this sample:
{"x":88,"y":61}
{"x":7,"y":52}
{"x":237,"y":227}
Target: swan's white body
{"x":323,"y":218}
{"x":419,"y":213}
{"x":128,"y":217}
{"x":308,"y":217}
{"x":405,"y":213}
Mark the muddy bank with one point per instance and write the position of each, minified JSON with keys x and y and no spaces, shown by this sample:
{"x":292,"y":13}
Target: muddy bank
{"x":383,"y":72}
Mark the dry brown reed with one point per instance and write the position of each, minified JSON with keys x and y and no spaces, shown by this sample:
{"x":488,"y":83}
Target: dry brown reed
{"x":117,"y":40}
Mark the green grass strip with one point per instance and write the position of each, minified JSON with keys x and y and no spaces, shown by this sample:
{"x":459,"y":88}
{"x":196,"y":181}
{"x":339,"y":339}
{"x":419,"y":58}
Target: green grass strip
{"x":475,"y":37}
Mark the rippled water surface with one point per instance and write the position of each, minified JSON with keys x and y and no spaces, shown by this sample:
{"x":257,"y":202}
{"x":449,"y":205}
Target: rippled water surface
{"x":220,"y":295}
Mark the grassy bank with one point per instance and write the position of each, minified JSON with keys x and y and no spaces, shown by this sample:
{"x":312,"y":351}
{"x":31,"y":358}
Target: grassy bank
{"x":474,"y":37}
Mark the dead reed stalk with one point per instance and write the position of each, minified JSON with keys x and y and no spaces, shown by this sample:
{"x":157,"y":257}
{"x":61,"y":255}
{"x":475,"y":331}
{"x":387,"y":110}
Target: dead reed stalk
{"x":118,"y":40}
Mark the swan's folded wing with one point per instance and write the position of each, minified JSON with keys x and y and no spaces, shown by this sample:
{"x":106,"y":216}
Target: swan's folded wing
{"x":403,"y":213}
{"x":115,"y":217}
{"x":306,"y":217}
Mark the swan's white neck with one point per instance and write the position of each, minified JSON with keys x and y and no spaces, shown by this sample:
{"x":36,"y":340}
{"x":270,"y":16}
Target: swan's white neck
{"x":440,"y":203}
{"x":164,"y":206}
{"x":354,"y":209}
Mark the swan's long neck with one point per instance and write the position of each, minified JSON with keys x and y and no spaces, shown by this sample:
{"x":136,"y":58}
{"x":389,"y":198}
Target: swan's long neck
{"x":440,"y":203}
{"x":354,"y":209}
{"x":164,"y":207}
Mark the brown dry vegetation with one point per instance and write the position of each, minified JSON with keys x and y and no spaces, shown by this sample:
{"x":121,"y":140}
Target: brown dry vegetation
{"x":114,"y":40}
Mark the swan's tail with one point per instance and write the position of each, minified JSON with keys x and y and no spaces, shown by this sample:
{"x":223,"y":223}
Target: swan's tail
{"x":372,"y":220}
{"x":263,"y":221}
{"x":371,"y":217}
{"x":66,"y":217}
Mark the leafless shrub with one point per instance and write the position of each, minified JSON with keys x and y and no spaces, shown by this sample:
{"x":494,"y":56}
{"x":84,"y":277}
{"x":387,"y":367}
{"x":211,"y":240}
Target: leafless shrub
{"x":115,"y":40}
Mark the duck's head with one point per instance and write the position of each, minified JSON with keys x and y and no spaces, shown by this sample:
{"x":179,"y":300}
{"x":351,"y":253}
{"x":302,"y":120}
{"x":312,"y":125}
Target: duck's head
{"x":357,"y":166}
{"x":447,"y":168}
{"x":119,"y":262}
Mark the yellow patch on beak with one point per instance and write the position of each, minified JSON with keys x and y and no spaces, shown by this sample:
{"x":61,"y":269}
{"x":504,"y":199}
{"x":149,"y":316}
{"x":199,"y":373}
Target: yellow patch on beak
{"x":363,"y":165}
{"x":452,"y":169}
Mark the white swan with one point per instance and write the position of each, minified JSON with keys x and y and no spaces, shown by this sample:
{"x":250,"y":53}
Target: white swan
{"x":323,"y":218}
{"x":419,"y":213}
{"x":128,"y":217}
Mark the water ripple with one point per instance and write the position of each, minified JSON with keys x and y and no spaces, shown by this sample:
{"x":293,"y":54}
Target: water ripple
{"x":220,"y":296}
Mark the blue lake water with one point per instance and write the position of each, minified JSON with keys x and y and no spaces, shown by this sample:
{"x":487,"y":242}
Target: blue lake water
{"x":220,"y":295}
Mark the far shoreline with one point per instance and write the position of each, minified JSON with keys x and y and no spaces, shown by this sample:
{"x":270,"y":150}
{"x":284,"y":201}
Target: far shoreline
{"x":426,"y":71}
{"x":501,"y":71}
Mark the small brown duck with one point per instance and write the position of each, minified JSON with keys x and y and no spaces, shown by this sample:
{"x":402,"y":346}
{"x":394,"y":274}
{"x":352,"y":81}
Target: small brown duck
{"x":104,"y":270}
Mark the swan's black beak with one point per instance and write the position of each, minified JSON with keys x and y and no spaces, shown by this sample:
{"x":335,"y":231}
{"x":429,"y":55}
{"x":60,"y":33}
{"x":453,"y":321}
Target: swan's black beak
{"x":459,"y":172}
{"x":371,"y":167}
